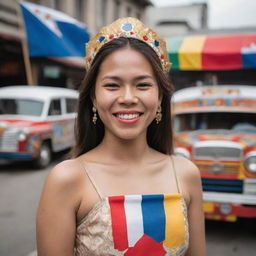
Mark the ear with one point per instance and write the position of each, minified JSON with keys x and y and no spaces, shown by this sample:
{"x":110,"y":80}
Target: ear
{"x":160,"y":97}
{"x":94,"y":102}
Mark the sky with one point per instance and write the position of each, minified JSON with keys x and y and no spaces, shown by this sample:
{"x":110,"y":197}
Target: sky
{"x":222,"y":13}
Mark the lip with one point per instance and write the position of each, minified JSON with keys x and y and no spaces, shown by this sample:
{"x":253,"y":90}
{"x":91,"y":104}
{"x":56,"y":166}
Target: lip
{"x":127,"y":112}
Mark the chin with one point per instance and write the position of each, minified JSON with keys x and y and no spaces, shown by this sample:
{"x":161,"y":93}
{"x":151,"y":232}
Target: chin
{"x":128,"y":135}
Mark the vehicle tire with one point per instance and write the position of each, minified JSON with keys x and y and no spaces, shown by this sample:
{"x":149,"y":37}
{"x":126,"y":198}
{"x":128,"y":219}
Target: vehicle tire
{"x":44,"y":156}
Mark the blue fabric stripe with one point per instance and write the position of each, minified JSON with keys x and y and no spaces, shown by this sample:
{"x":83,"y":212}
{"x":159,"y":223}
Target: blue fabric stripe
{"x":154,"y":216}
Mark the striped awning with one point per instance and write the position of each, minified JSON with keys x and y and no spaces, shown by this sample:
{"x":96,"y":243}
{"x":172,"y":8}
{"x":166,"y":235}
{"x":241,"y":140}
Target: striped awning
{"x":212,"y":52}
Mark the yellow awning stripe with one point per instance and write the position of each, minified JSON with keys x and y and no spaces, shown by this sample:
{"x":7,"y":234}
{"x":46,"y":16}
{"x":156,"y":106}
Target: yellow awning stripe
{"x":190,"y":53}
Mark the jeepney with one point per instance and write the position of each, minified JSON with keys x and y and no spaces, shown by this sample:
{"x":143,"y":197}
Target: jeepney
{"x":215,"y":127}
{"x":36,"y":121}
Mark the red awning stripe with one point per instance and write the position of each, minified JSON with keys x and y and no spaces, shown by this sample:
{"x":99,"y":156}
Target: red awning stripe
{"x":222,"y":52}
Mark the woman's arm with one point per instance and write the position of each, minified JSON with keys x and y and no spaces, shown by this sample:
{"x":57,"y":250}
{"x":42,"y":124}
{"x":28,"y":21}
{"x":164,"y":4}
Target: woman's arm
{"x":196,"y":218}
{"x":56,"y":216}
{"x":191,"y":185}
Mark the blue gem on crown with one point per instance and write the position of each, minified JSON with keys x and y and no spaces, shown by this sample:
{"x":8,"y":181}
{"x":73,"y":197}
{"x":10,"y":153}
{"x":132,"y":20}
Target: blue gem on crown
{"x":127,"y":27}
{"x":101,"y":38}
{"x":156,"y":43}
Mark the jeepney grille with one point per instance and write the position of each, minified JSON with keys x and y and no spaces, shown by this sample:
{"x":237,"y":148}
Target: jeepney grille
{"x":223,"y":185}
{"x":8,"y":142}
{"x":214,"y":153}
{"x":230,"y":169}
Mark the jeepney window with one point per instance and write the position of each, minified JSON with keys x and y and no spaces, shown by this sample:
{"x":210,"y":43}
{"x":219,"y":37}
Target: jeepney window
{"x":55,"y":108}
{"x":237,"y":122}
{"x":71,"y":105}
{"x":25,"y":107}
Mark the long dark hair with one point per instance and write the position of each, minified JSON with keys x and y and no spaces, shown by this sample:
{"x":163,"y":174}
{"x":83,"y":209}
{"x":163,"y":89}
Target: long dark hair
{"x":88,"y":135}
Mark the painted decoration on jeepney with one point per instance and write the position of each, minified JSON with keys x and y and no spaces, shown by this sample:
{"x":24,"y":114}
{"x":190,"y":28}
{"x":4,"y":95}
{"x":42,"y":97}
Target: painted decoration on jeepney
{"x":244,"y":140}
{"x":217,"y":91}
{"x":1,"y":130}
{"x":209,"y":102}
{"x":62,"y":134}
{"x":58,"y":134}
{"x":34,"y":143}
{"x":232,"y":169}
{"x":217,"y":98}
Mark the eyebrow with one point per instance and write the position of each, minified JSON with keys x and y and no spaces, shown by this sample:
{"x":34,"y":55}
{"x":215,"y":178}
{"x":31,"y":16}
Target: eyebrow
{"x":116,"y":78}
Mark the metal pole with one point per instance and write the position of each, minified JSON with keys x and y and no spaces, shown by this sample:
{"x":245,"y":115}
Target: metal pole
{"x":24,"y":44}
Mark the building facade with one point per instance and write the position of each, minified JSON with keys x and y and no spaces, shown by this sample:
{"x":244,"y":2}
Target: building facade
{"x":177,"y":20}
{"x":94,"y":13}
{"x":11,"y":59}
{"x":97,"y":13}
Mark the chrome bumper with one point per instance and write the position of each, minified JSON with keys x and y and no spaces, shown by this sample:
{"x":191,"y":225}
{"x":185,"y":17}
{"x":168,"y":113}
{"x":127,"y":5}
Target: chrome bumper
{"x":229,"y":198}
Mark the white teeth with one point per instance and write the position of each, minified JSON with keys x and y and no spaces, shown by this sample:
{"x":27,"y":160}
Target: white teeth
{"x":127,"y":116}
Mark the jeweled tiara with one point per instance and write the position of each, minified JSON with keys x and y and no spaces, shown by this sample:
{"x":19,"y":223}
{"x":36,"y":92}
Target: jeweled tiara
{"x":131,"y":28}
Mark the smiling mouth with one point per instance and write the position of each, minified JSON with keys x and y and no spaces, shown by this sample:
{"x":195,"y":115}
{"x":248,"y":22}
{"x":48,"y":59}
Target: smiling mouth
{"x":127,"y":116}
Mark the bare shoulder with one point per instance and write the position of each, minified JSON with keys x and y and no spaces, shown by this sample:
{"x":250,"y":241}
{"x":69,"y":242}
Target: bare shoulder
{"x":189,"y":177}
{"x":63,"y":186}
{"x":66,"y":173}
{"x":185,"y":167}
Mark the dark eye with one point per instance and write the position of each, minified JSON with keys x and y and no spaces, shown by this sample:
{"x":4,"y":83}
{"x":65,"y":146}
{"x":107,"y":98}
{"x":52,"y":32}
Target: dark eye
{"x":111,"y":86}
{"x":144,"y":85}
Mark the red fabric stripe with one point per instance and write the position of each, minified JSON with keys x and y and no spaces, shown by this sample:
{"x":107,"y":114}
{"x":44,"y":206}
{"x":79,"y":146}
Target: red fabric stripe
{"x":146,"y":246}
{"x":119,"y":227}
{"x":223,"y":52}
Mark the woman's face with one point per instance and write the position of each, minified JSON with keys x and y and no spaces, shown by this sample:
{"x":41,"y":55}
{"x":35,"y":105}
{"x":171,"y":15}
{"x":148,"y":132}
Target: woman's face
{"x":126,"y":94}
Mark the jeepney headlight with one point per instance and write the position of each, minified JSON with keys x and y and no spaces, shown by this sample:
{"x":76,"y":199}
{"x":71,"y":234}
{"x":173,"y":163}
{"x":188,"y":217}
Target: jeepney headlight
{"x":22,"y":135}
{"x":182,"y":152}
{"x":250,"y":163}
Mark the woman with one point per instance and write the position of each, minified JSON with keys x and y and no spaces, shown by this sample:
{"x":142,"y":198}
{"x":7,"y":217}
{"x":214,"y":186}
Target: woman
{"x":124,"y":192}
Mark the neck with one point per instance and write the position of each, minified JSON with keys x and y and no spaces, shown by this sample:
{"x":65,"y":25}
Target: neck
{"x":124,"y":150}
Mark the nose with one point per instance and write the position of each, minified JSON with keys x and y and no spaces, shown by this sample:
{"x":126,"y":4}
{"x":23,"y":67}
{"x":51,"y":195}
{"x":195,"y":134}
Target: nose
{"x":127,"y":95}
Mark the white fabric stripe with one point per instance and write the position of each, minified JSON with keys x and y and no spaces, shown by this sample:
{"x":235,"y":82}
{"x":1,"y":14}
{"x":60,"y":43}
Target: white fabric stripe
{"x":134,"y":219}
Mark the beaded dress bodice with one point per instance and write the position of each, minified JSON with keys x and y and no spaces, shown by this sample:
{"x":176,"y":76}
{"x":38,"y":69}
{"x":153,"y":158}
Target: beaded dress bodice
{"x":134,"y":225}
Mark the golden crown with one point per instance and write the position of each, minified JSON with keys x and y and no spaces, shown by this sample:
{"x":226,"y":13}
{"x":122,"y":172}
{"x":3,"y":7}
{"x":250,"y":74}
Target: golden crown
{"x":131,"y":28}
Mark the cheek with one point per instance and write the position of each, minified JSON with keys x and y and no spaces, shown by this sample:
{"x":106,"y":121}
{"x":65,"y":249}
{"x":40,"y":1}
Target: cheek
{"x":100,"y":98}
{"x":102,"y":110}
{"x":103,"y":102}
{"x":152,"y":100}
{"x":152,"y":104}
{"x":102,"y":106}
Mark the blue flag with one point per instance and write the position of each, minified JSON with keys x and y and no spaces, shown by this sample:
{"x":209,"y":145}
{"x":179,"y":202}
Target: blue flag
{"x":51,"y":33}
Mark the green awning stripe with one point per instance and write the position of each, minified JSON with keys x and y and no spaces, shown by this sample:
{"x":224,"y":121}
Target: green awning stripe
{"x":173,"y":46}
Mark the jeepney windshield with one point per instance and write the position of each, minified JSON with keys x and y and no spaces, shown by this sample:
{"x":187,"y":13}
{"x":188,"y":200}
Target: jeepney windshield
{"x":237,"y":122}
{"x":24,"y":107}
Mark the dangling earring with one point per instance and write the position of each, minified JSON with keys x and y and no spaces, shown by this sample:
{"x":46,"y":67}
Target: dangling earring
{"x":159,"y":115}
{"x":94,"y":118}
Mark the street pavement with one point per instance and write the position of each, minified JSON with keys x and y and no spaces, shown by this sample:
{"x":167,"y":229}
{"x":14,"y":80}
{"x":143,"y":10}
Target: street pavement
{"x":20,"y":188}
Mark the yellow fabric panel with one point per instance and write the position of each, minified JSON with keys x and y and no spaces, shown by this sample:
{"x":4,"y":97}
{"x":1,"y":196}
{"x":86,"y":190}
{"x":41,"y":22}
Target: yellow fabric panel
{"x":175,"y":223}
{"x":190,"y":53}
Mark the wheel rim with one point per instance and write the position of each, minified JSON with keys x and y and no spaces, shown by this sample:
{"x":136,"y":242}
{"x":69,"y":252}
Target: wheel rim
{"x":44,"y":156}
